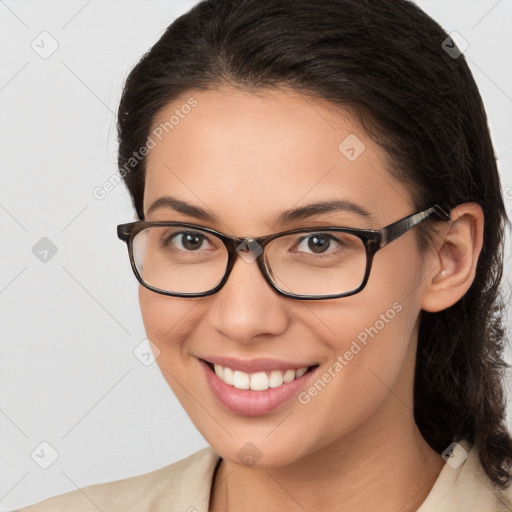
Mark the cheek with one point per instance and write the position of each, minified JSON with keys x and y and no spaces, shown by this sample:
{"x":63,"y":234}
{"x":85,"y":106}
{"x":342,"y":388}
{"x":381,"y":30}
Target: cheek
{"x":372,"y":338}
{"x":373,"y":335}
{"x":385,"y":316}
{"x":166,"y":324}
{"x":398,"y":271}
{"x":369,"y":364}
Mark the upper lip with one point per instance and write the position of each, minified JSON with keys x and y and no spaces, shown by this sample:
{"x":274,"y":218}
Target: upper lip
{"x":260,"y":364}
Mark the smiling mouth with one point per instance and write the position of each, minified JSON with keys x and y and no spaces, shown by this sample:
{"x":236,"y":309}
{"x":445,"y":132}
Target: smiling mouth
{"x":258,"y":381}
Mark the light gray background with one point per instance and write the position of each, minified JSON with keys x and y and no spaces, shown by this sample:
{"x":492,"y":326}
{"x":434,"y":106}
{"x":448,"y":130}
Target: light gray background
{"x":69,"y":326}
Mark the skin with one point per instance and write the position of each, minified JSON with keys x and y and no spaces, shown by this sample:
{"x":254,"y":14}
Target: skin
{"x":354,"y":446}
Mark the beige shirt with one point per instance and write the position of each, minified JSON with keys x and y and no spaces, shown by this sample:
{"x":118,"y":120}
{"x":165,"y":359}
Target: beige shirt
{"x":185,"y":487}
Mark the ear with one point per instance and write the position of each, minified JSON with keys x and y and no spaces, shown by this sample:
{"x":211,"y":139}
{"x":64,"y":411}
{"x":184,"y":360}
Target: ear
{"x":452,"y":261}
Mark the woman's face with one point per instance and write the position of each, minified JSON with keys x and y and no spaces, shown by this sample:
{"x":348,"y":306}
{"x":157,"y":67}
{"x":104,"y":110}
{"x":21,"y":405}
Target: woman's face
{"x":245,"y":159}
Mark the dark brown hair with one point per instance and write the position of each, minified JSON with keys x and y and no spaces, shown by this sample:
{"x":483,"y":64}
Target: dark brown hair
{"x":390,"y":61}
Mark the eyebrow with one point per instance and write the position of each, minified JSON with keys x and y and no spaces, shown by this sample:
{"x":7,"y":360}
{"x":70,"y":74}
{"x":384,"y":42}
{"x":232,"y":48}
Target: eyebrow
{"x":182,"y":207}
{"x":285,"y":217}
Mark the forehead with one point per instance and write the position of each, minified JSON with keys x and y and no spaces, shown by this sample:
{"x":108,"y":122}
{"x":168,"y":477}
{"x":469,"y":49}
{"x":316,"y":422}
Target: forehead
{"x":248,"y":156}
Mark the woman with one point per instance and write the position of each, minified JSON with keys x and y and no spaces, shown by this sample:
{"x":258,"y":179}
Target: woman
{"x":319,"y":249}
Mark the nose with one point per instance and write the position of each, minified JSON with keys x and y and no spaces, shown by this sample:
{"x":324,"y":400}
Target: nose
{"x":247,"y":307}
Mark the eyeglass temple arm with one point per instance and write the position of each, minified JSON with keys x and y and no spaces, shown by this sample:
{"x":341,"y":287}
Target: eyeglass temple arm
{"x":122,"y":233}
{"x":398,"y":228}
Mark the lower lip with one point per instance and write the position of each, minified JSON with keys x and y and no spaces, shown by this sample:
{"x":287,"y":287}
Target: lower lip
{"x":253,"y":403}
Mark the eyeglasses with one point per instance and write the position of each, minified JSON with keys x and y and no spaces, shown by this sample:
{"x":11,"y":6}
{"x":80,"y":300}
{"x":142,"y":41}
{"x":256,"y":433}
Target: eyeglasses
{"x":186,"y":260}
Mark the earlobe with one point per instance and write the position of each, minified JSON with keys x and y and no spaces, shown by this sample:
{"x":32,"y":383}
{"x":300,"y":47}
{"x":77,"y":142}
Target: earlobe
{"x":453,"y":260}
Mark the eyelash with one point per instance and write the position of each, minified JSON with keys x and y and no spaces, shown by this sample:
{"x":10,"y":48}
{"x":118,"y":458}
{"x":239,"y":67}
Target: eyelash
{"x":167,"y":240}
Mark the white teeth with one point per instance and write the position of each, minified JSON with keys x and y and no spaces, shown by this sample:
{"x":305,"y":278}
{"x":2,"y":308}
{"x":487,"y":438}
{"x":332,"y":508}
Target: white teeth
{"x":289,"y":375}
{"x":259,"y":381}
{"x":227,"y":375}
{"x":275,"y":379}
{"x":241,"y":380}
{"x":219,"y":370}
{"x":300,"y":372}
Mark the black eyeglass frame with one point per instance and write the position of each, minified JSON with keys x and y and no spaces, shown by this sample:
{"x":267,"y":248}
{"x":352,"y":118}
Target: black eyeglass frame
{"x":373,"y":241}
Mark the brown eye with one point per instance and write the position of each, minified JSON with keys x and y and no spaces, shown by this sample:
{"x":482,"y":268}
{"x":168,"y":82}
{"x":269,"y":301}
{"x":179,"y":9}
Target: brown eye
{"x":189,"y":241}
